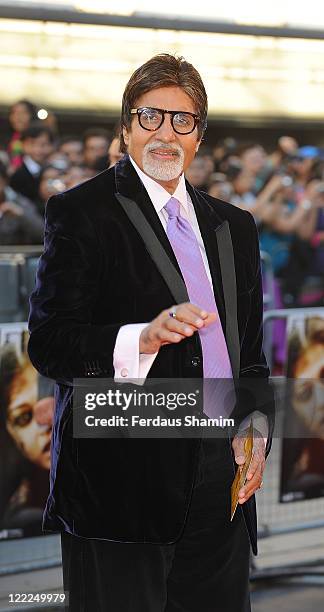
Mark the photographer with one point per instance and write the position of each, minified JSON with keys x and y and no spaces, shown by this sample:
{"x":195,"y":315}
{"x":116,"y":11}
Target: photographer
{"x":51,"y":182}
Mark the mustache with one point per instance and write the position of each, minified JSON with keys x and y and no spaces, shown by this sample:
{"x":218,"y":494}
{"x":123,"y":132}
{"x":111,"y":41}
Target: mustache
{"x":175,"y":148}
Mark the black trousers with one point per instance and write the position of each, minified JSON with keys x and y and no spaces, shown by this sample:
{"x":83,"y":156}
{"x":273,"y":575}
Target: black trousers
{"x":206,"y":571}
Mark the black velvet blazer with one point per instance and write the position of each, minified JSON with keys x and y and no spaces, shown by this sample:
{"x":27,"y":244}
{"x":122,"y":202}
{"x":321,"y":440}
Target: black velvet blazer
{"x":96,"y":274}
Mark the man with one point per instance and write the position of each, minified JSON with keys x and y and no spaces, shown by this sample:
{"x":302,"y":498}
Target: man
{"x":72,"y":148}
{"x":51,"y":181}
{"x":114,"y":152}
{"x":198,"y":173}
{"x":146,"y":523}
{"x":95,"y":147}
{"x":37,"y":141}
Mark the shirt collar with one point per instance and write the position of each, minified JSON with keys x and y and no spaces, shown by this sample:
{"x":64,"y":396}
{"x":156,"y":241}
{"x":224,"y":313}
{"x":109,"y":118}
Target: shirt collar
{"x":157,"y":194}
{"x":33,"y":167}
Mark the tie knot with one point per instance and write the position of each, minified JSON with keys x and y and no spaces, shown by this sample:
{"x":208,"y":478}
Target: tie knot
{"x":173,"y":208}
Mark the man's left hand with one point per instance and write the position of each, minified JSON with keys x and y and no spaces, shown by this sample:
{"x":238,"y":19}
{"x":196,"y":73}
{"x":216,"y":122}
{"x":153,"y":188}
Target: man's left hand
{"x":255,"y":473}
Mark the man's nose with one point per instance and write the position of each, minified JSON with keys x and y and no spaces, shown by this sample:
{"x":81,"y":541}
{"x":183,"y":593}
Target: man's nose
{"x":166,"y":131}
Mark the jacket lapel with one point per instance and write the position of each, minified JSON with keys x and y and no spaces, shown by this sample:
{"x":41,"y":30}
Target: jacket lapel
{"x":137,"y":205}
{"x":226,"y":257}
{"x":166,"y":268}
{"x":129,"y":185}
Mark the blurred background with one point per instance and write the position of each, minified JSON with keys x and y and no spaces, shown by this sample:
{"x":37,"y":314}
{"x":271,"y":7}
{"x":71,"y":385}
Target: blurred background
{"x":63,"y":69}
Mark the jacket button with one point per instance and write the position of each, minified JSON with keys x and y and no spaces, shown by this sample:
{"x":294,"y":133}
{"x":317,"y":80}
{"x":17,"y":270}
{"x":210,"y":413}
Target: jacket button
{"x":195,"y":361}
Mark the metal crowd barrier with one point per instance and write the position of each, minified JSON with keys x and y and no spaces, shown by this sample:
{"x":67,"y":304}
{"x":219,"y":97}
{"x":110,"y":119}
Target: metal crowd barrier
{"x":17,"y":277}
{"x":291,"y":535}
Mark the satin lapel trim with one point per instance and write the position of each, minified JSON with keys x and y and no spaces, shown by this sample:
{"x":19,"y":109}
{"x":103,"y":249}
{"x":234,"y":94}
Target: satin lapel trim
{"x":227,"y":266}
{"x":129,"y":185}
{"x":154,"y":247}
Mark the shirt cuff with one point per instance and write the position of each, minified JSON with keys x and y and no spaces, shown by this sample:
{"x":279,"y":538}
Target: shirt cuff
{"x":260,"y":422}
{"x":129,"y":364}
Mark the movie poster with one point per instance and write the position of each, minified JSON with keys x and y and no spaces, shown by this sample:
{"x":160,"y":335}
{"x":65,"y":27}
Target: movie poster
{"x":302,"y":463}
{"x":26,"y":416}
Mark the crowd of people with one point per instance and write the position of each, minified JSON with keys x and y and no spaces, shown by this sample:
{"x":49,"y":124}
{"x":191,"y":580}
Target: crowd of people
{"x":283,"y":190}
{"x":37,"y":163}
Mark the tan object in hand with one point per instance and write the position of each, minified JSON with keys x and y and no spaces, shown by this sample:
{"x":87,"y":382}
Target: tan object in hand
{"x":241,"y":474}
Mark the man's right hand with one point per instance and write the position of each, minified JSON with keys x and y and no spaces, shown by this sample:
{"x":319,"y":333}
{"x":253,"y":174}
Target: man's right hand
{"x":165,"y":329}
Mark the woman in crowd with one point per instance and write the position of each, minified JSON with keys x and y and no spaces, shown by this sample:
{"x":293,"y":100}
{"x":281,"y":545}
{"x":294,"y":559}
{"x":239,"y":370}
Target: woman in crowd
{"x":21,"y":114}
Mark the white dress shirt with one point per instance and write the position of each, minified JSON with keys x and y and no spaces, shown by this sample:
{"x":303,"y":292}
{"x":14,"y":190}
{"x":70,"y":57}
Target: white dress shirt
{"x":128,"y":362}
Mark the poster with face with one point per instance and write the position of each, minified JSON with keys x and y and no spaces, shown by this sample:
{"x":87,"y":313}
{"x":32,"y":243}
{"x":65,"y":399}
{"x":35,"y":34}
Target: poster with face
{"x":26,"y":417}
{"x":302,"y":463}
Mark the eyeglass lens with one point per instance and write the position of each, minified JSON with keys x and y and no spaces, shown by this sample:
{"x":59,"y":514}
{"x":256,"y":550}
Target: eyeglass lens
{"x":151,"y":119}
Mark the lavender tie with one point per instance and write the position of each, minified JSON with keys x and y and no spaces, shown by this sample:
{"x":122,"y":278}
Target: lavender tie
{"x":216,"y":363}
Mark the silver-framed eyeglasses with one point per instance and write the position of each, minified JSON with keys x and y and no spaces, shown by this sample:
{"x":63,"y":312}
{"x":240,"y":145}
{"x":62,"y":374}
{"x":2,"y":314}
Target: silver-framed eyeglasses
{"x":151,"y":119}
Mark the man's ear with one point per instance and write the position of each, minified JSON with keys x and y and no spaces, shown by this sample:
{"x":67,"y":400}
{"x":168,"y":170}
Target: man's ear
{"x":198,"y":145}
{"x":125,"y":136}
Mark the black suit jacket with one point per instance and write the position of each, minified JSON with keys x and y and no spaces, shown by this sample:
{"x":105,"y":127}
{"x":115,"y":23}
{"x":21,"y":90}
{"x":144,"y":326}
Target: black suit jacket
{"x":97,"y":274}
{"x":25,"y":183}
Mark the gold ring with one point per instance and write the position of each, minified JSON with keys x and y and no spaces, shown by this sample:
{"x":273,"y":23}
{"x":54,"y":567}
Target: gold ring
{"x":173,"y":312}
